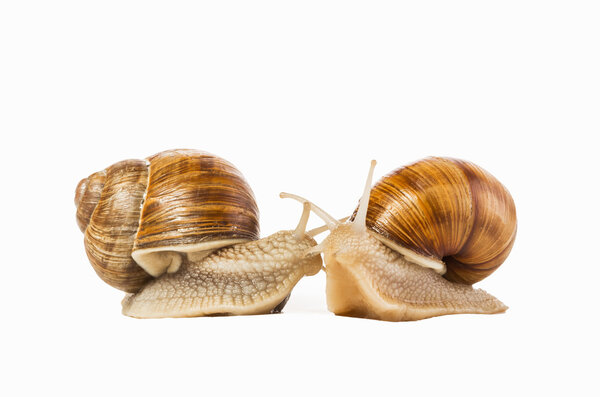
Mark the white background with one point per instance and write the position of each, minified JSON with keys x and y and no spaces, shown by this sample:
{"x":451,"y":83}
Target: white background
{"x":300,"y":96}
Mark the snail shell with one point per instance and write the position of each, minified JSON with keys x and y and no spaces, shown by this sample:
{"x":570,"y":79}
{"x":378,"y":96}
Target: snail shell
{"x":140,"y":216}
{"x":446,"y":211}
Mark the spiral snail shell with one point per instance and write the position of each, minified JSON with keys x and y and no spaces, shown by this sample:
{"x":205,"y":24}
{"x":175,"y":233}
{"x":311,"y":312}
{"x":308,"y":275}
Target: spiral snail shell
{"x":179,"y":232}
{"x":138,"y":216}
{"x":446,"y":211}
{"x":438,"y":216}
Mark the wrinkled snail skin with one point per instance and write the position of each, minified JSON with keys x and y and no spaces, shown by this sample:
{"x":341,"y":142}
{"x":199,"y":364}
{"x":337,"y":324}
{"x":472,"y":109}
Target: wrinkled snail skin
{"x":251,"y":278}
{"x":435,"y":216}
{"x":367,"y":279}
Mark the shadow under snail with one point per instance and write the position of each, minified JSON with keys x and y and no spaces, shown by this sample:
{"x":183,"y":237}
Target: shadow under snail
{"x":179,"y":233}
{"x":417,"y":241}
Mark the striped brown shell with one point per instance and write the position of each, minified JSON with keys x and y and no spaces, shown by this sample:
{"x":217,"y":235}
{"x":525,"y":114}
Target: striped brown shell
{"x":446,"y":210}
{"x":140,"y":216}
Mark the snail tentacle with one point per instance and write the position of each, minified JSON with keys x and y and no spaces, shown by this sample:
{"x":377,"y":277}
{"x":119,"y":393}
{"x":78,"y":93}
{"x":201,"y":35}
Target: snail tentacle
{"x":329,"y":220}
{"x":360,"y":220}
{"x":318,"y":230}
{"x":300,"y":230}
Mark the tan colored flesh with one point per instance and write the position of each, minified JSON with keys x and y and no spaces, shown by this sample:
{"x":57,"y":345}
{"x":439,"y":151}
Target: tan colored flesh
{"x":318,"y":230}
{"x":156,"y":261}
{"x":411,"y":255}
{"x":367,"y":279}
{"x":250,"y":278}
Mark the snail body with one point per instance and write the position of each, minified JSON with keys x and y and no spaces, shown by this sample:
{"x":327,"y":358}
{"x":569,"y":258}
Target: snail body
{"x":154,"y":225}
{"x":417,"y":241}
{"x":249,"y":278}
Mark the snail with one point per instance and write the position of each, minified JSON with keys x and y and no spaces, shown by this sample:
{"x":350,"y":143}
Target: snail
{"x":179,"y":233}
{"x":417,"y":242}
